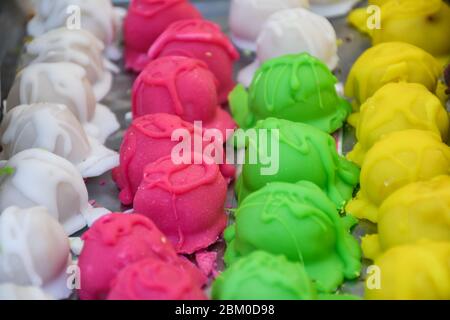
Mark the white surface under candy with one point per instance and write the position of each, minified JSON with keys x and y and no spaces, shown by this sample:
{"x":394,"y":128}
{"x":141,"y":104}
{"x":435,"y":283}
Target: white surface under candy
{"x":64,"y":83}
{"x":41,"y":178}
{"x":96,"y":16}
{"x":332,"y":8}
{"x":54,"y":128}
{"x":79,"y":47}
{"x":293,"y":31}
{"x":13,"y":292}
{"x":247,"y":18}
{"x":35,"y":251}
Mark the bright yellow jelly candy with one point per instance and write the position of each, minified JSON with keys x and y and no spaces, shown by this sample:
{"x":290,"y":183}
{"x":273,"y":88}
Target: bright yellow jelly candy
{"x":390,"y":62}
{"x":396,"y":160}
{"x":396,"y":107}
{"x":411,"y":272}
{"x":418,"y":211}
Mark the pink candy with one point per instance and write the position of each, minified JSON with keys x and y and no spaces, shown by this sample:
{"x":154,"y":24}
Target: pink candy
{"x":145,"y":21}
{"x":202,"y":40}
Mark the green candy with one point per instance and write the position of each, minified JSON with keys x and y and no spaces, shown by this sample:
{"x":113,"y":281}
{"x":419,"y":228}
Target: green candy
{"x":305,"y":153}
{"x":301,"y":223}
{"x":263,"y":276}
{"x":299,"y":88}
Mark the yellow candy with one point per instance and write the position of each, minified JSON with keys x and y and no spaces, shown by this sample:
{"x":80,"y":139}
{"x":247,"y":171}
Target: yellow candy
{"x":396,"y":160}
{"x":391,"y":62}
{"x":423,"y":23}
{"x":412,"y":272}
{"x":418,"y":211}
{"x":396,"y":107}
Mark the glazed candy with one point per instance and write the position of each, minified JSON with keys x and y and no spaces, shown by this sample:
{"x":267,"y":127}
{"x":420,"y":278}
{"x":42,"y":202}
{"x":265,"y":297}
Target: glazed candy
{"x":9,"y":291}
{"x":181,"y":86}
{"x":288,"y":219}
{"x":54,"y":128}
{"x":293,"y":31}
{"x":247,"y":18}
{"x":97,"y":16}
{"x":146,"y":140}
{"x":185,"y":201}
{"x":118,"y":240}
{"x":263,"y":276}
{"x":430,"y":19}
{"x":396,"y":160}
{"x":418,"y":211}
{"x":36,"y":177}
{"x":396,"y":107}
{"x":305,"y":153}
{"x":332,"y":8}
{"x":202,"y":40}
{"x":144,"y":23}
{"x":390,"y":62}
{"x":154,"y":279}
{"x":299,"y":88}
{"x":35,"y":251}
{"x":79,"y":47}
{"x":64,"y":83}
{"x":413,"y":272}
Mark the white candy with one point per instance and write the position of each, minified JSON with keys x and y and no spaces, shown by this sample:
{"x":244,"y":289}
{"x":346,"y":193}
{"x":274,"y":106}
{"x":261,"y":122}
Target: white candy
{"x":35,"y":251}
{"x":293,"y":31}
{"x":96,"y":16}
{"x":332,"y":8}
{"x":41,"y":178}
{"x":247,"y":18}
{"x":79,"y":47}
{"x":10,"y":291}
{"x":64,"y":83}
{"x":54,"y":128}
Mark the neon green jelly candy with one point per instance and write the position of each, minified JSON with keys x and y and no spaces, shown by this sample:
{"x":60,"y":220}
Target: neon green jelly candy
{"x":299,"y":88}
{"x":263,"y":276}
{"x":300,"y":222}
{"x":304,"y":153}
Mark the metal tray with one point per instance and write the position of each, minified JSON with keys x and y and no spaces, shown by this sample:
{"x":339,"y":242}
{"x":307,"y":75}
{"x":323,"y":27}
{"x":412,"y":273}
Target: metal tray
{"x":102,"y":189}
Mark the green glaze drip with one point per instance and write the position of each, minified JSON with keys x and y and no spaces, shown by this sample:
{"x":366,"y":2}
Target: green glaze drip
{"x":305,"y":153}
{"x":298,"y":87}
{"x":301,"y":223}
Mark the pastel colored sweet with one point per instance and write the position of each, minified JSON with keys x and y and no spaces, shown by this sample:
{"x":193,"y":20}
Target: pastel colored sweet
{"x":146,"y":140}
{"x":332,"y":8}
{"x":396,"y":107}
{"x":293,"y":31}
{"x":98,"y":17}
{"x":413,"y":272}
{"x":247,"y":18}
{"x":390,"y":62}
{"x":116,"y":241}
{"x":186,"y":201}
{"x":298,"y":88}
{"x":79,"y":47}
{"x":35,"y":251}
{"x":263,"y":276}
{"x":415,"y":212}
{"x":64,"y":83}
{"x":155,"y":279}
{"x":181,"y":86}
{"x":305,"y":153}
{"x":398,"y":159}
{"x":288,"y":219}
{"x":54,"y":128}
{"x":12,"y":292}
{"x":431,"y":19}
{"x":144,"y":23}
{"x":38,"y":177}
{"x":202,"y":40}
